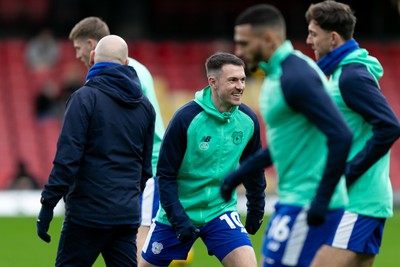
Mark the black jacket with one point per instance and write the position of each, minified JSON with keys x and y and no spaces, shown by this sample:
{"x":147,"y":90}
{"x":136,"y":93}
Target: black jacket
{"x":104,"y":150}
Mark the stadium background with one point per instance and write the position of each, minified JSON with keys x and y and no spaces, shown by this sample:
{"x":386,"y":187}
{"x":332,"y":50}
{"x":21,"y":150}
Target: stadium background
{"x":172,"y":38}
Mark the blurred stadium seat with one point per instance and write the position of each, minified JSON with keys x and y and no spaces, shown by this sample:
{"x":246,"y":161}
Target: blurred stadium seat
{"x":177,"y":65}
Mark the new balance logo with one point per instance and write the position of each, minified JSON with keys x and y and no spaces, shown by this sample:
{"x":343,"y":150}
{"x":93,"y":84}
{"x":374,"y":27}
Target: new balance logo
{"x":206,"y":139}
{"x":204,"y":143}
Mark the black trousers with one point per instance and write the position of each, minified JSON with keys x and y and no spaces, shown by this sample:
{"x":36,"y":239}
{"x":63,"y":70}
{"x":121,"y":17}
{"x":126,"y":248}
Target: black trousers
{"x":80,"y":246}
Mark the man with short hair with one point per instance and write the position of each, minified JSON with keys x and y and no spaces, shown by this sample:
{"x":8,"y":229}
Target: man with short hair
{"x":308,"y":141}
{"x":354,"y":86}
{"x":205,"y":140}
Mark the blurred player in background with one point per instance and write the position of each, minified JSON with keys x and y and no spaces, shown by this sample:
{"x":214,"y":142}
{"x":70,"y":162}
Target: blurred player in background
{"x":102,"y":163}
{"x":308,"y":140}
{"x":85,"y":36}
{"x":205,"y":140}
{"x":354,"y":86}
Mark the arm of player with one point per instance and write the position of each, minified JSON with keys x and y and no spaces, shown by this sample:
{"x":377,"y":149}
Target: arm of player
{"x":172,"y":150}
{"x":249,"y":168}
{"x":311,"y":99}
{"x":255,"y":186}
{"x":361,"y":93}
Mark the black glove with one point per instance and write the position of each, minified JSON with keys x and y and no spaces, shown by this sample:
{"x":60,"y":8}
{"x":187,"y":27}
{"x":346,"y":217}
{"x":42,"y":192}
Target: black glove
{"x":229,"y":184}
{"x":253,"y":222}
{"x":43,"y":222}
{"x":188,"y":234}
{"x":226,"y":190}
{"x":316,"y":214}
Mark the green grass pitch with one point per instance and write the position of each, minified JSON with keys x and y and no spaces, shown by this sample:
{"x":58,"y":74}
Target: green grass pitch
{"x":20,"y":245}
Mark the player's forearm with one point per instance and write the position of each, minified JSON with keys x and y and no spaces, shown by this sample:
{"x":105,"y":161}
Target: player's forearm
{"x":374,"y":150}
{"x":338,"y":150}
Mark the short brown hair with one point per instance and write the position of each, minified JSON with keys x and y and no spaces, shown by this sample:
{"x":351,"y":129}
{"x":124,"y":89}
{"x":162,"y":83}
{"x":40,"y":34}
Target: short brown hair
{"x":90,"y":27}
{"x":333,"y":16}
{"x":216,"y":61}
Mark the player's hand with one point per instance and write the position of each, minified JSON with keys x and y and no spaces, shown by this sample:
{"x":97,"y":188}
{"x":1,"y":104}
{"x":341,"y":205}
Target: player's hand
{"x":253,"y":222}
{"x":226,"y":192}
{"x":226,"y":189}
{"x":188,"y":234}
{"x":316,"y":214}
{"x":43,"y":222}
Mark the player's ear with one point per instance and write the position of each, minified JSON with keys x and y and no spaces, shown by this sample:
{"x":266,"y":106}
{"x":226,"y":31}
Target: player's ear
{"x":336,"y":39}
{"x":91,"y":60}
{"x":267,"y":36}
{"x":92,"y":43}
{"x":212,"y":81}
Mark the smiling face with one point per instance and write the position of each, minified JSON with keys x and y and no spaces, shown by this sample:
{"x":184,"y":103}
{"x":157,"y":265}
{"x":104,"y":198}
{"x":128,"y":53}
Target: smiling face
{"x":227,"y":87}
{"x":321,"y":41}
{"x":250,"y":45}
{"x":82,"y":49}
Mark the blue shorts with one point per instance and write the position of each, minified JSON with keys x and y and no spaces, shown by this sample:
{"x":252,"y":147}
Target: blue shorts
{"x":289,"y":241}
{"x":359,"y":233}
{"x":221,"y":235}
{"x":149,"y":202}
